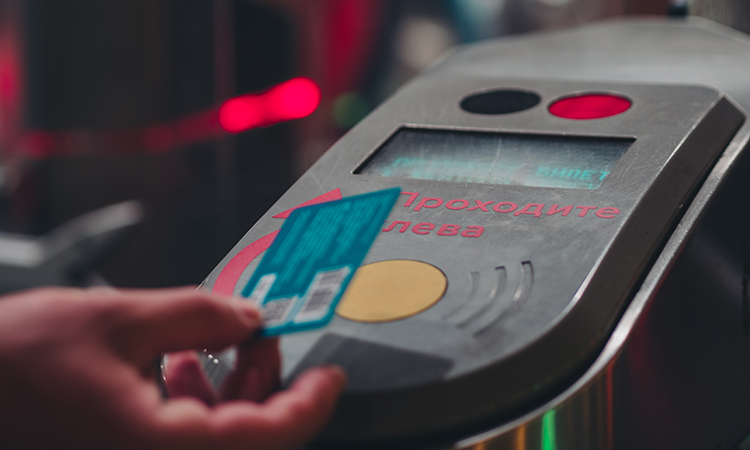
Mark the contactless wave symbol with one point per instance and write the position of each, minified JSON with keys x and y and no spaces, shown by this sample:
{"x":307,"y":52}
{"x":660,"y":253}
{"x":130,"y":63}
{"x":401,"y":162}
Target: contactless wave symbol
{"x":478,"y":313}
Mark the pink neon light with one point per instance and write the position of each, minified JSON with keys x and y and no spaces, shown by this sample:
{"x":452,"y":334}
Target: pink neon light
{"x":293,"y":99}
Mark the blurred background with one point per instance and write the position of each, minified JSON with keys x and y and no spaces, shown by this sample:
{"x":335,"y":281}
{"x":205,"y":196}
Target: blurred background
{"x":206,"y":111}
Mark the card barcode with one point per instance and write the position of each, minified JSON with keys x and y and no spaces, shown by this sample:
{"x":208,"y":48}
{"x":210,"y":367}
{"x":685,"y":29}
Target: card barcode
{"x":333,"y":277}
{"x":321,"y":294}
{"x":318,"y":301}
{"x":276,"y":310}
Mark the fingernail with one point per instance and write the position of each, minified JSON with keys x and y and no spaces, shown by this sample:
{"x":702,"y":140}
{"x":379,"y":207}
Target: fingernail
{"x":249,"y":311}
{"x":339,"y":372}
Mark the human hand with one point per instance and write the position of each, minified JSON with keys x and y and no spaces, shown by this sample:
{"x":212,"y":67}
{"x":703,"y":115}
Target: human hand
{"x":76,"y":372}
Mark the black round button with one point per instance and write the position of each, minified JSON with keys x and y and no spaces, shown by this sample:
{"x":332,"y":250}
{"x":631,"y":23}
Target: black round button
{"x":501,"y":101}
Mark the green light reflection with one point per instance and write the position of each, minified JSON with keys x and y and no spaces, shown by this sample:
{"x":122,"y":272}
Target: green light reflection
{"x":549,"y":442}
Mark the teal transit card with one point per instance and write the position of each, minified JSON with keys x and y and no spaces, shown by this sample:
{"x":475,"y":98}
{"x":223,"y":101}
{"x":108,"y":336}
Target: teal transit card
{"x":304,"y":273}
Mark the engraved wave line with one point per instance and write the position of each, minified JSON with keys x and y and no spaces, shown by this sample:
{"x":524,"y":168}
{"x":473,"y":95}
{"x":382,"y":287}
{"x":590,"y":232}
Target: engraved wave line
{"x":522,"y":294}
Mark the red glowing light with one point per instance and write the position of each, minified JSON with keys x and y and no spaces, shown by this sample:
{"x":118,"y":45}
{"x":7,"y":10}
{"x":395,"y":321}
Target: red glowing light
{"x":589,"y":106}
{"x":10,"y":71}
{"x":297,"y":98}
{"x":39,"y":144}
{"x":158,"y":138}
{"x":8,"y":83}
{"x":241,"y":113}
{"x":293,"y":99}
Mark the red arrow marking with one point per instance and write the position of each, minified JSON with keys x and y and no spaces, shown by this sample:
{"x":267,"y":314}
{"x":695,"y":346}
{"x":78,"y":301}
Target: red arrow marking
{"x":327,"y":197}
{"x":230,"y":274}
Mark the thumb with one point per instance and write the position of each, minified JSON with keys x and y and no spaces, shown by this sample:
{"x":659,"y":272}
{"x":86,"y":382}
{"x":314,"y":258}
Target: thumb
{"x":159,"y":321}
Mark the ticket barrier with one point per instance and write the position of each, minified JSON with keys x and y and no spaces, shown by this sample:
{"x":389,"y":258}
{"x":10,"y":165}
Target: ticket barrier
{"x":567,"y":266}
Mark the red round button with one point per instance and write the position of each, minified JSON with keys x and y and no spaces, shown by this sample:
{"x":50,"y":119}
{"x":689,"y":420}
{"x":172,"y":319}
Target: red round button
{"x":589,"y":106}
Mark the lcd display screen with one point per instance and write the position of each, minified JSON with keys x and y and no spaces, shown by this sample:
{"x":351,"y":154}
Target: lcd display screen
{"x":569,"y":162}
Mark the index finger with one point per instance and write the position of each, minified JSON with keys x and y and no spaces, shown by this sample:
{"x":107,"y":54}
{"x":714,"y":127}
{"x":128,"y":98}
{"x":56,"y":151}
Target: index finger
{"x":152,"y":322}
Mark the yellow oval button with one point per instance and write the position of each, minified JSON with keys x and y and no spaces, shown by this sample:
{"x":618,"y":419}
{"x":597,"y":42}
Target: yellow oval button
{"x":390,"y":290}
